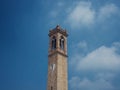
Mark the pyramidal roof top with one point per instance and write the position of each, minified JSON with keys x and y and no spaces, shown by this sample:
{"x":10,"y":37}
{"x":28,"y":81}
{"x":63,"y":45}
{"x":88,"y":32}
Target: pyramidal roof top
{"x":58,"y":29}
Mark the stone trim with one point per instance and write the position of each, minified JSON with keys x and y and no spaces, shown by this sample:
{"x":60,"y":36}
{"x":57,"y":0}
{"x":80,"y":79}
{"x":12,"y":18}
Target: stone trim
{"x":57,"y":52}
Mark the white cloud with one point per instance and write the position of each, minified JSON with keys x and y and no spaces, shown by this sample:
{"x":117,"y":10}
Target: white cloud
{"x":85,"y":15}
{"x":81,"y":15}
{"x":102,"y":59}
{"x":116,"y":44}
{"x":82,"y":44}
{"x":85,"y":84}
{"x":74,"y":60}
{"x":78,"y":48}
{"x":105,"y":75}
{"x":107,"y":11}
{"x":103,"y":63}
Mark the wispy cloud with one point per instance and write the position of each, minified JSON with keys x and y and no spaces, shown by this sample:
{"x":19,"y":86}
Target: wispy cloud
{"x":81,"y":15}
{"x":86,"y":84}
{"x":104,"y":62}
{"x":84,"y":14}
{"x":82,"y":44}
{"x":103,"y":58}
{"x":107,"y":11}
{"x":60,"y":4}
{"x":55,"y":12}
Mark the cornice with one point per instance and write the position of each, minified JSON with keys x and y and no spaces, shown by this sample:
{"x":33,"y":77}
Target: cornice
{"x":56,"y":52}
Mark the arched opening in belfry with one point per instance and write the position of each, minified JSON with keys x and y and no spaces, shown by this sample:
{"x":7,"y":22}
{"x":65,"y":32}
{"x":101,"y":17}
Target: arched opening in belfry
{"x":62,"y":41}
{"x":54,"y":42}
{"x":51,"y":88}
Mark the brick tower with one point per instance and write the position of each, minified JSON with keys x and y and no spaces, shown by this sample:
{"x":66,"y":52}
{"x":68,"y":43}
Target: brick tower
{"x":57,"y":60}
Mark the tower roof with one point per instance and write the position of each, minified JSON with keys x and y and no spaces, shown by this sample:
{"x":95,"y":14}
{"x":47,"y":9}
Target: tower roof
{"x":58,"y":29}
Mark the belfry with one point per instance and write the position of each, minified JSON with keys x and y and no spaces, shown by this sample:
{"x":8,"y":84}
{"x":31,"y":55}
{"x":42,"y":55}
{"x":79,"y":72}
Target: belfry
{"x":57,"y":59}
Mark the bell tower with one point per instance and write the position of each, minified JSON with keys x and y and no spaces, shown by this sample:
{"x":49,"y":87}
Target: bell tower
{"x":57,"y":59}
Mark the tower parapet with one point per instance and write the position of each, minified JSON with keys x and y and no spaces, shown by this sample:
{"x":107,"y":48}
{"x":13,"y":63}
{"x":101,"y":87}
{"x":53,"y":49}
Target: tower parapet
{"x":58,"y":29}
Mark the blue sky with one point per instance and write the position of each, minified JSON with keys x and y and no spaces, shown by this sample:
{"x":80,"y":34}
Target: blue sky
{"x":93,"y":43}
